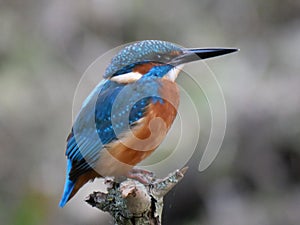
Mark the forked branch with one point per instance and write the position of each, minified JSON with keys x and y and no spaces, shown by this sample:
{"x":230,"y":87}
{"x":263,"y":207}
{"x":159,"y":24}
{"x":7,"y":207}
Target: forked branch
{"x":133,"y":203}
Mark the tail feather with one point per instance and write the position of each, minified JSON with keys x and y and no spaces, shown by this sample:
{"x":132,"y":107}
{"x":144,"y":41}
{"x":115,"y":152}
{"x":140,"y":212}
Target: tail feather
{"x":69,"y":186}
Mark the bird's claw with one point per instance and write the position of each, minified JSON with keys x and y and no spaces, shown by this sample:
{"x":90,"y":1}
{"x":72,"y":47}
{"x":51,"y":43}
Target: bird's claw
{"x":145,"y":177}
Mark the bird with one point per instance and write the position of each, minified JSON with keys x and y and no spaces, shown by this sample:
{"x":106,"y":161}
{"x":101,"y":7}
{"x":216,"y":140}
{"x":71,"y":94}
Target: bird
{"x":128,"y":114}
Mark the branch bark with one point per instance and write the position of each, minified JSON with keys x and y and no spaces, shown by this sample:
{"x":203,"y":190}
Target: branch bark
{"x":134,"y":203}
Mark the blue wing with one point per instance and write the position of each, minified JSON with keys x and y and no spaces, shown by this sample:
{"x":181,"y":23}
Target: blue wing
{"x":93,"y":127}
{"x":84,"y":144}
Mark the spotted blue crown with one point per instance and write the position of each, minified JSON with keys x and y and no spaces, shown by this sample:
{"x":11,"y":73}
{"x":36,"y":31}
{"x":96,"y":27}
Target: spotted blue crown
{"x":140,"y":52}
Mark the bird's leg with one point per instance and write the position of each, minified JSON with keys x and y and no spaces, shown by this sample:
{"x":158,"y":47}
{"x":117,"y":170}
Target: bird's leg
{"x":141,"y":175}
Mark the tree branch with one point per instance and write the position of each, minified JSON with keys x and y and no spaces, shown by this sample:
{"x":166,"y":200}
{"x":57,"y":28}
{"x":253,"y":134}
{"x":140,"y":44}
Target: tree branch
{"x":133,"y":203}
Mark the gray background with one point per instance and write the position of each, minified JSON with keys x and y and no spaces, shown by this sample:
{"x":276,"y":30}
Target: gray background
{"x":45,"y":46}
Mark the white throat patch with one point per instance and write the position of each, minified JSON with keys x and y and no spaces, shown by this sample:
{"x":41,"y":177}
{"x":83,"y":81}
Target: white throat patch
{"x":173,"y":73}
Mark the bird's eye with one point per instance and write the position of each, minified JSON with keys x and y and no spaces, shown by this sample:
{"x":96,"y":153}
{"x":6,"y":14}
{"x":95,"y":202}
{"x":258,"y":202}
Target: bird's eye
{"x":167,"y":58}
{"x":163,"y":58}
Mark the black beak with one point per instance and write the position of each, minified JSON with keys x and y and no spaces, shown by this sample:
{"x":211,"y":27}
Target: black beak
{"x":194,"y":54}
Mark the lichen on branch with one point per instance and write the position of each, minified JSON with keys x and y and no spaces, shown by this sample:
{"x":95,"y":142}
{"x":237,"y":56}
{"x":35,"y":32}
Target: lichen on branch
{"x":134,"y":203}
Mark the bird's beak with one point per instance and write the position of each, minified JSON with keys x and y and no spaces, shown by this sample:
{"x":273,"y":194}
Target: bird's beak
{"x":194,"y":54}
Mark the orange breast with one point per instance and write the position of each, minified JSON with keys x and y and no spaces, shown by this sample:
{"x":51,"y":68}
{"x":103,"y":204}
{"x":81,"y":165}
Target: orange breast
{"x":120,"y":156}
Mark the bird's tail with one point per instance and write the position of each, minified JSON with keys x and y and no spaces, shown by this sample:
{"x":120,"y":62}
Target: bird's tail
{"x":69,"y":186}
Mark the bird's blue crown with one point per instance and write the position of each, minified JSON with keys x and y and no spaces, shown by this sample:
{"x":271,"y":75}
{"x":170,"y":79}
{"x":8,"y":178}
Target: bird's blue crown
{"x":140,"y":52}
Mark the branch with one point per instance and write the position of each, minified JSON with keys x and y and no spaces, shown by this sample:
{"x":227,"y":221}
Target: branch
{"x":133,"y":203}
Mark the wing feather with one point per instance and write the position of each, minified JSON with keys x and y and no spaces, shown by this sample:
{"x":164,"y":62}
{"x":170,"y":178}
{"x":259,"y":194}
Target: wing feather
{"x":93,"y":128}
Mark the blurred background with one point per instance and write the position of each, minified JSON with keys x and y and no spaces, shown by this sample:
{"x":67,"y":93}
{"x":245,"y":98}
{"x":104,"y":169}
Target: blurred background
{"x":45,"y":46}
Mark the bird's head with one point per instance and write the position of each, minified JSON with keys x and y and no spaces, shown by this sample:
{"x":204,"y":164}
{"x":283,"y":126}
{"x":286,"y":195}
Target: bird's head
{"x":155,"y":58}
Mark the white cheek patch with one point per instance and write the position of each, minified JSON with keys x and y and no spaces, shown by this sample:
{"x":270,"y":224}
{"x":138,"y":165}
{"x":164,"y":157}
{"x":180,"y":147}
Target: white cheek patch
{"x":127,"y":77}
{"x":173,"y":73}
{"x":134,"y":76}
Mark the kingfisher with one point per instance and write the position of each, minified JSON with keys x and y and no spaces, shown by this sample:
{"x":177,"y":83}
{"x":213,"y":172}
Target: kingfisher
{"x":128,"y":114}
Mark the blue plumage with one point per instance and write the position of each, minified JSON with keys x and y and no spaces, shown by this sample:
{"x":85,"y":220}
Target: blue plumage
{"x":119,"y":109}
{"x":158,"y":71}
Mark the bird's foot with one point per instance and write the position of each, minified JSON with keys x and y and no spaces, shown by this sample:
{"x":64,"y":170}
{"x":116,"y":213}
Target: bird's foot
{"x":143,"y":176}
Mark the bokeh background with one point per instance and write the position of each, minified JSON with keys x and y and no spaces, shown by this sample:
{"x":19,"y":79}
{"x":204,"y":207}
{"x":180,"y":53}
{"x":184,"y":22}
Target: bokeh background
{"x":45,"y":46}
